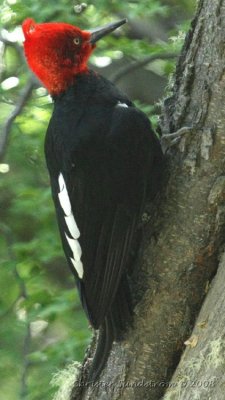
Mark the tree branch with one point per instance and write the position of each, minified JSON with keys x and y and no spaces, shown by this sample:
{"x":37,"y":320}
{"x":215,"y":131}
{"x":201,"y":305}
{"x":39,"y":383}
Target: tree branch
{"x":141,"y":63}
{"x":15,"y":45}
{"x":24,"y":97}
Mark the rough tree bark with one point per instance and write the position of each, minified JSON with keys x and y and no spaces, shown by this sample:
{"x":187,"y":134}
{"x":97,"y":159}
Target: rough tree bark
{"x":200,"y":374}
{"x":183,"y":239}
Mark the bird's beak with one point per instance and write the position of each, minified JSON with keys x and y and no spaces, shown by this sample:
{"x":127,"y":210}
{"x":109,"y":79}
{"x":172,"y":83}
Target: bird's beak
{"x":98,"y":33}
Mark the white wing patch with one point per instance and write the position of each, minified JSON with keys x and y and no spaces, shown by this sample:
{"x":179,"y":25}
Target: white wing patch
{"x":64,"y":201}
{"x":61,"y":182}
{"x":72,"y":226}
{"x":78,"y":267}
{"x":119,"y":104}
{"x":64,"y":197}
{"x":75,"y":247}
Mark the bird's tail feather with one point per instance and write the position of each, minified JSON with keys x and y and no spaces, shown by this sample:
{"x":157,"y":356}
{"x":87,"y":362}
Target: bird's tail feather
{"x":104,"y":344}
{"x":112,"y":328}
{"x":121,"y":310}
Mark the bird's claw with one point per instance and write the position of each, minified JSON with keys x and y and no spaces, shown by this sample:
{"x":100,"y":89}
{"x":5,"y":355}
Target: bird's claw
{"x":170,"y":139}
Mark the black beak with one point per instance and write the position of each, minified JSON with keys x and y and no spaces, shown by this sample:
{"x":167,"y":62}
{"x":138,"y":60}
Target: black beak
{"x":98,"y":33}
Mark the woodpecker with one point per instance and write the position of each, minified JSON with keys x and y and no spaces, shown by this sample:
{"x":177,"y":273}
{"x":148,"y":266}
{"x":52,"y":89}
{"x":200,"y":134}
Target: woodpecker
{"x":103,"y":158}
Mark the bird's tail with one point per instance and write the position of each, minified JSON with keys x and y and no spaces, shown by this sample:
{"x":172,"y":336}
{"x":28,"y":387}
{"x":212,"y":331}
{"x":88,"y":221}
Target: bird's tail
{"x":112,"y":329}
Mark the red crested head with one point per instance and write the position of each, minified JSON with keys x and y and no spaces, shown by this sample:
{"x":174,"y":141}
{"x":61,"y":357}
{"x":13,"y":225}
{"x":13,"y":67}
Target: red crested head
{"x":56,"y":52}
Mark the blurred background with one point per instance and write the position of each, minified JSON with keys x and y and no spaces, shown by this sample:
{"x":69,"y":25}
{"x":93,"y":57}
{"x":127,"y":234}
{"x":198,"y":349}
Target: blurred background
{"x":42,"y":326}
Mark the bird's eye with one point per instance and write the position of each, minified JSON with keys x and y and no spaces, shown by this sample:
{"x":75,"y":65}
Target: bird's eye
{"x":76,"y":41}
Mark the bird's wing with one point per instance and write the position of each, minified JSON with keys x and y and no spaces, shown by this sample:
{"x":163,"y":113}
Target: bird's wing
{"x":98,"y":204}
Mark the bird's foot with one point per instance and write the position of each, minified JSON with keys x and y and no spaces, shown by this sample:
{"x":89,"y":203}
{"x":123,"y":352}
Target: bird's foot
{"x":170,"y":139}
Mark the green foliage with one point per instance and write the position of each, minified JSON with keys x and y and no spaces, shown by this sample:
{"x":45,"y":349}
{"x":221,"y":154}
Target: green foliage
{"x":43,"y":327}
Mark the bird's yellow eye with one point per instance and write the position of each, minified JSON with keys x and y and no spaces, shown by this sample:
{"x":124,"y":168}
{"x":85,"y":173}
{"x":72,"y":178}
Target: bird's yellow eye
{"x":76,"y":41}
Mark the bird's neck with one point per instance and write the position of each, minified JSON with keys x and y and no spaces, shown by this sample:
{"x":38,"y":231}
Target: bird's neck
{"x":80,"y":86}
{"x":59,"y":80}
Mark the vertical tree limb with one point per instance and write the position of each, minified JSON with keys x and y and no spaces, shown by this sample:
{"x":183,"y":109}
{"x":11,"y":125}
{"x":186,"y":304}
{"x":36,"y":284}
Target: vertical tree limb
{"x":200,"y":374}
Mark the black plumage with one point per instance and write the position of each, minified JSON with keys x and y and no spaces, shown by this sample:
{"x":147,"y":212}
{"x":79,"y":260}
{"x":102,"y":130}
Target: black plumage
{"x":109,"y":157}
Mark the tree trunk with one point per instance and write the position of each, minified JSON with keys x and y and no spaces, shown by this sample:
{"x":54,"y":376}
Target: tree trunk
{"x":183,"y":239}
{"x":200,"y":373}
